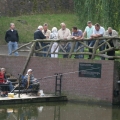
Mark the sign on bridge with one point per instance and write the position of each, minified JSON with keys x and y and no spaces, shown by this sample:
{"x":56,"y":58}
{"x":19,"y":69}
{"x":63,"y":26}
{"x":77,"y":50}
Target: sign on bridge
{"x":92,"y":70}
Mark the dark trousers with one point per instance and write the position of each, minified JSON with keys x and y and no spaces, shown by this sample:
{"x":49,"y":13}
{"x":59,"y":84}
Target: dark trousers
{"x":36,"y":48}
{"x":45,"y":49}
{"x":111,"y":53}
{"x":90,"y":50}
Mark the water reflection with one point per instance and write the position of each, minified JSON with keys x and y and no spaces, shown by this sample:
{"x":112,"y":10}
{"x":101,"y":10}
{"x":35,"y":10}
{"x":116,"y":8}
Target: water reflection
{"x":59,"y":111}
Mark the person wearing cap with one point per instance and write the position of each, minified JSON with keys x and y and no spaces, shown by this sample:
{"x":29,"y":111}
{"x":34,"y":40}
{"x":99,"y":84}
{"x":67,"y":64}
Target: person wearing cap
{"x":54,"y":36}
{"x":38,"y":35}
{"x":30,"y":80}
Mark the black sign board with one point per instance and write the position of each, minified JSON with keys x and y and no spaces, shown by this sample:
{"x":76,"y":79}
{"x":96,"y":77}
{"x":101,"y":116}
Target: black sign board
{"x":92,"y":70}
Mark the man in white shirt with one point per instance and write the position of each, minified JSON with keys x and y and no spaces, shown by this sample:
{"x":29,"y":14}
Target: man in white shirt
{"x":64,"y":33}
{"x":113,"y":43}
{"x":98,"y":32}
{"x":89,"y":31}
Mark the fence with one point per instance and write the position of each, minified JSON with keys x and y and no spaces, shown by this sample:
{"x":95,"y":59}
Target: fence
{"x":63,"y":44}
{"x":95,"y":49}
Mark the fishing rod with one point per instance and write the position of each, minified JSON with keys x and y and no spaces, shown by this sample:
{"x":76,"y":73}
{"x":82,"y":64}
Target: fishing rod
{"x":58,"y":74}
{"x":45,"y":77}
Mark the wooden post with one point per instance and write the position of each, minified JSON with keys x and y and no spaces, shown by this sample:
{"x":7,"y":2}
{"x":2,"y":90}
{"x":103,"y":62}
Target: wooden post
{"x":21,"y":47}
{"x":49,"y":49}
{"x":72,"y":48}
{"x":94,"y":49}
{"x":28,"y":58}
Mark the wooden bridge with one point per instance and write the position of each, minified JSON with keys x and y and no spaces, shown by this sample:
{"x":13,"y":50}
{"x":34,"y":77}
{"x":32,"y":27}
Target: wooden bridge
{"x":30,"y":47}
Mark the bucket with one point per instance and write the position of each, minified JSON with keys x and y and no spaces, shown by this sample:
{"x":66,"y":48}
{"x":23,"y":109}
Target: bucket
{"x":11,"y":95}
{"x":40,"y":93}
{"x":9,"y":110}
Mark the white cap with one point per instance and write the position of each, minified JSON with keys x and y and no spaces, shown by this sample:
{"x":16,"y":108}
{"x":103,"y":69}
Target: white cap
{"x":29,"y":70}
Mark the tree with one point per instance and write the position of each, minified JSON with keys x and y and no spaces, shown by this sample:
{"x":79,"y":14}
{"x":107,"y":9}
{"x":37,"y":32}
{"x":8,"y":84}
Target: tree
{"x":105,"y":12}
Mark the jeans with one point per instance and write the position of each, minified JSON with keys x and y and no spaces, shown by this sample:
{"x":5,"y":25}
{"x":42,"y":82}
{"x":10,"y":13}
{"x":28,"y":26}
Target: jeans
{"x":110,"y":53}
{"x":81,"y":50}
{"x":67,"y":49}
{"x":11,"y":47}
{"x":10,"y":86}
{"x":101,"y":48}
{"x":45,"y":49}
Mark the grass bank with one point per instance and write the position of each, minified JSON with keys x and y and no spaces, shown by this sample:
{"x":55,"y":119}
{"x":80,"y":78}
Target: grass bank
{"x":26,"y":25}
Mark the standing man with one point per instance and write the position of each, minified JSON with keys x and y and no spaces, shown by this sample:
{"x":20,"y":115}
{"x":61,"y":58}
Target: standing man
{"x":46,"y":33}
{"x":38,"y":35}
{"x":64,"y":34}
{"x":111,"y":33}
{"x":77,"y":35}
{"x":99,"y":32}
{"x":89,"y":31}
{"x":12,"y":39}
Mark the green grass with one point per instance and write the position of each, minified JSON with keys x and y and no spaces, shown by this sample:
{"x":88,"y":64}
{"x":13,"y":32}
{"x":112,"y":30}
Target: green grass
{"x":117,"y":53}
{"x":33,"y":21}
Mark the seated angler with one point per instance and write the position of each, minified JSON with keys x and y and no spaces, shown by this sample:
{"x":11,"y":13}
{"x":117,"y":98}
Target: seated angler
{"x":31,"y":81}
{"x":5,"y":81}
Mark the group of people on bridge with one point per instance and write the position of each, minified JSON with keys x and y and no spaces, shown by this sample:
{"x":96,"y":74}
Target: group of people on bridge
{"x":42,"y":32}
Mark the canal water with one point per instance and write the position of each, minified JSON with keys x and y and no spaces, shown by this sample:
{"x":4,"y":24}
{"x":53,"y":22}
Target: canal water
{"x":59,"y":111}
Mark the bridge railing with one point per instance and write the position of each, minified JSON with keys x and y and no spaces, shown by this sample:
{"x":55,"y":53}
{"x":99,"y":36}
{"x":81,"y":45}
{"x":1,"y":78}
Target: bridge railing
{"x":63,"y":44}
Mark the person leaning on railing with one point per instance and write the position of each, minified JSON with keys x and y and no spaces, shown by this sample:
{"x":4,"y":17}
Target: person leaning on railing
{"x":98,"y":31}
{"x":89,"y":31}
{"x":77,"y":35}
{"x":113,"y":43}
{"x":64,"y":34}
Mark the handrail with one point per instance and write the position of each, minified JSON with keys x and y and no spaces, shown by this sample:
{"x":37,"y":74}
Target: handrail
{"x":95,"y":52}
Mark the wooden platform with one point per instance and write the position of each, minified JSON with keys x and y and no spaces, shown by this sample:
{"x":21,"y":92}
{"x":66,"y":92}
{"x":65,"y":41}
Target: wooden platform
{"x":31,"y":99}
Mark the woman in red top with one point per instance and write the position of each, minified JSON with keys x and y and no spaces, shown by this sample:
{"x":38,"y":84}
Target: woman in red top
{"x":2,"y":80}
{"x":5,"y":82}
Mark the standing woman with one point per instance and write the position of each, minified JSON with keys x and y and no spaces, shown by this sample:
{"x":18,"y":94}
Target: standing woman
{"x":54,"y":36}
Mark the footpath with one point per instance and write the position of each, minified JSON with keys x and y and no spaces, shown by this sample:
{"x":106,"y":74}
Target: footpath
{"x":4,"y":51}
